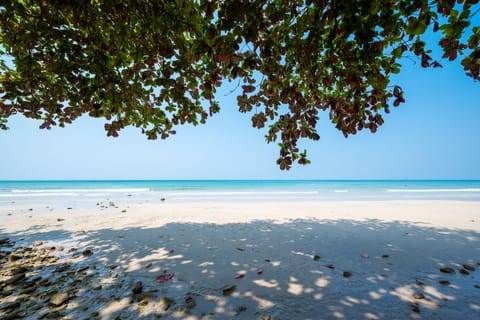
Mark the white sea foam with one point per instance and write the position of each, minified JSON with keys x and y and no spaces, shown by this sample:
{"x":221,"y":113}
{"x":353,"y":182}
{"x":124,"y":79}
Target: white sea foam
{"x":341,"y":191}
{"x":434,"y":190}
{"x":113,"y":190}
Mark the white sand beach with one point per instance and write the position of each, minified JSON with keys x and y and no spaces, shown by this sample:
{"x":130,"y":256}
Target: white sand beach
{"x":224,"y":260}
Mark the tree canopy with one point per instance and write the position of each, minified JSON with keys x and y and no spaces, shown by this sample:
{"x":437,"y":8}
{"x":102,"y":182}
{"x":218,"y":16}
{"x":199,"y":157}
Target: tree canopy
{"x":158,"y":64}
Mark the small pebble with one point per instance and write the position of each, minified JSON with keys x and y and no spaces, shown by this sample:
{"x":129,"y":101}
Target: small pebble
{"x":447,"y":270}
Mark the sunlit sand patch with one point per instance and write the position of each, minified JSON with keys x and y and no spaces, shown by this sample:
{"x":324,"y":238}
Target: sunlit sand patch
{"x":295,"y":289}
{"x":322,"y":282}
{"x":266,"y":284}
{"x":262,"y":303}
{"x":113,"y":307}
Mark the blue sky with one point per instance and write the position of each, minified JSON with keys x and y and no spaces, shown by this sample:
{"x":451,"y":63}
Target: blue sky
{"x":434,"y":135}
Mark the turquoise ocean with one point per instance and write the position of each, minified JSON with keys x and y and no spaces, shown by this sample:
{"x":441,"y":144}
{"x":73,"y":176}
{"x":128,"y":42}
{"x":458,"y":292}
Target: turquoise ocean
{"x":28,"y":192}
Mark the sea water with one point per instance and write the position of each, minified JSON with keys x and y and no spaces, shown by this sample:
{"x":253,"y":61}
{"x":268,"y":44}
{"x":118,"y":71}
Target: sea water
{"x":141,"y":191}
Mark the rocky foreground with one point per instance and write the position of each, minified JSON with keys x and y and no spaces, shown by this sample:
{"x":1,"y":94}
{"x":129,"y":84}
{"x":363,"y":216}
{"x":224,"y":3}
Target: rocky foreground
{"x":52,"y":282}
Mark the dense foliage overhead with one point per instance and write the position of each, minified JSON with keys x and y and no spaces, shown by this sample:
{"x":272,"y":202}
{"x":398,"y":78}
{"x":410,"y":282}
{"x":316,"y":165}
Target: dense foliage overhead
{"x":157,"y":64}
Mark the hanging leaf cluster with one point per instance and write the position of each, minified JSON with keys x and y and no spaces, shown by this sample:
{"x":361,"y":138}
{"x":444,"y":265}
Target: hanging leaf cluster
{"x":158,"y":64}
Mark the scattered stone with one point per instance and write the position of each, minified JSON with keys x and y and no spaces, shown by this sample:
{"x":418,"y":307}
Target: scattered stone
{"x":444,"y":282}
{"x":415,"y":308}
{"x":469,"y":267}
{"x":14,"y":279}
{"x":385,"y":256}
{"x":138,"y":288}
{"x":418,"y":295}
{"x":31,"y":209}
{"x":477,"y":286}
{"x":447,"y":270}
{"x":69,"y":208}
{"x":60,"y":219}
{"x":96,"y":288}
{"x":87,"y":252}
{"x":347,"y":274}
{"x":14,"y":257}
{"x":142,"y":303}
{"x":123,"y":211}
{"x":316,"y":257}
{"x":190,"y":303}
{"x":464,"y":272}
{"x":162,"y":199}
{"x":228,"y":289}
{"x":4,"y":241}
{"x":241,"y":309}
{"x":82,"y":269}
{"x":148,"y":265}
{"x":59,"y":298}
{"x":165,"y":303}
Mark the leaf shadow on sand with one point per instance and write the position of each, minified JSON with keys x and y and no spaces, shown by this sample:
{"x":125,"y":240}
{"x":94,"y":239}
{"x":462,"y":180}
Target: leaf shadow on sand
{"x":298,"y":269}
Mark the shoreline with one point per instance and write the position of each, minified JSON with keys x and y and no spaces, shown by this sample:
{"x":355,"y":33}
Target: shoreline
{"x":302,"y":260}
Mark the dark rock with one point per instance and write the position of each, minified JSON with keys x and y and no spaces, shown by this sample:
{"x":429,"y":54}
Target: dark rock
{"x":142,"y":303}
{"x":469,"y":267}
{"x":60,"y":219}
{"x":464,"y":272}
{"x":228,"y":289}
{"x":87,"y":252}
{"x":138,"y":288}
{"x":4,"y":241}
{"x":477,"y":286}
{"x":415,"y":308}
{"x":444,"y":282}
{"x":15,"y":278}
{"x":190,"y":303}
{"x":347,"y":274}
{"x":316,"y":257}
{"x":447,"y":270}
{"x":14,"y":257}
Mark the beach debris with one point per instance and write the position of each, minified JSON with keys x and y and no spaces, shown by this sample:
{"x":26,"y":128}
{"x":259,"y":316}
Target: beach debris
{"x":316,"y":257}
{"x":385,"y":256}
{"x":418,"y":295}
{"x":260,"y":272}
{"x":464,"y":272}
{"x":87,"y":252}
{"x":469,"y":267}
{"x":228,"y":289}
{"x":59,"y":298}
{"x":165,"y":277}
{"x":165,"y":303}
{"x":447,"y":270}
{"x":444,"y":282}
{"x":241,"y":249}
{"x":37,"y":243}
{"x":347,"y":274}
{"x":239,"y":276}
{"x":330,"y":266}
{"x":138,"y":288}
{"x":419,"y":283}
{"x":364,"y":255}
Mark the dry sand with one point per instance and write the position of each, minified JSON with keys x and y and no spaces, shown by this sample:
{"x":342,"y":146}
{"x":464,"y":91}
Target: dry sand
{"x":305,"y":260}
